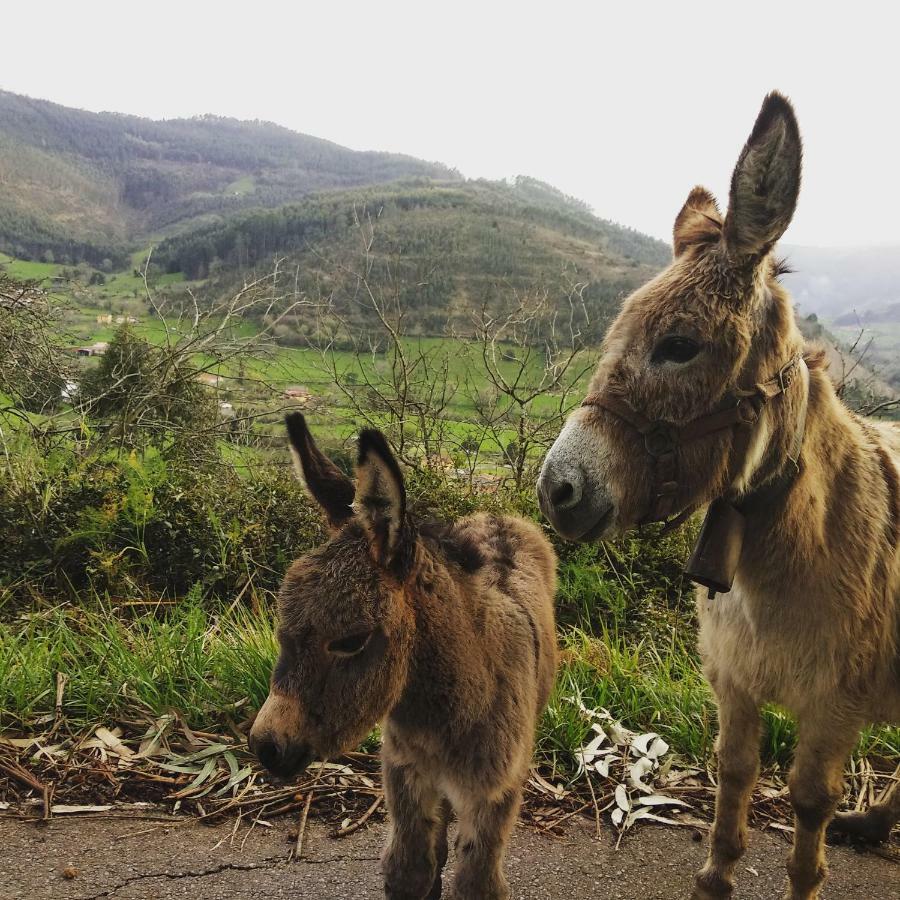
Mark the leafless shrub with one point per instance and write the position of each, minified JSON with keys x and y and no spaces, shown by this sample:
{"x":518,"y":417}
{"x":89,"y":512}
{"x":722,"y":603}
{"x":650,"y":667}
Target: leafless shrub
{"x":508,"y":383}
{"x":141,"y":391}
{"x":33,"y":366}
{"x":857,"y":382}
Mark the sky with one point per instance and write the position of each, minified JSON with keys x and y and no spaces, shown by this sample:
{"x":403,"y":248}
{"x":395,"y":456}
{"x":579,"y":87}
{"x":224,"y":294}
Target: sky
{"x":624,"y":105}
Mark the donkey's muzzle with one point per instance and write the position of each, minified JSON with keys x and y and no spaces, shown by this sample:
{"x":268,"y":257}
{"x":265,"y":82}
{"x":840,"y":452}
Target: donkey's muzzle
{"x":280,"y":758}
{"x":576,"y":513}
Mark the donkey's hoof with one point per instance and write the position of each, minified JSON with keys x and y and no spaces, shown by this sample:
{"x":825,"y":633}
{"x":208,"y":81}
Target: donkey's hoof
{"x":804,"y":883}
{"x":710,"y":885}
{"x":871,"y":827}
{"x":396,"y":890}
{"x":792,"y":894}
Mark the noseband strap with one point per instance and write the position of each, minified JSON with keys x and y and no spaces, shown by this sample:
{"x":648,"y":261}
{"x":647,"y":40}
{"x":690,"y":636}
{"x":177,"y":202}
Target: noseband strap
{"x":740,"y":411}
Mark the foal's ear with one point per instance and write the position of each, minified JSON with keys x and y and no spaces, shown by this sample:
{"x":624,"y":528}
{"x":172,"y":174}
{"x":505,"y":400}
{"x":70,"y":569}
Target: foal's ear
{"x":766,"y":181}
{"x":699,"y":221}
{"x":329,"y":486}
{"x":380,"y":503}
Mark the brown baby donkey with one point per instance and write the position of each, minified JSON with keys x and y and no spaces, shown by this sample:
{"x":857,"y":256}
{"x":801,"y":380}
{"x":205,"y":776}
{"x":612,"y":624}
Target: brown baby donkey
{"x":445,"y":634}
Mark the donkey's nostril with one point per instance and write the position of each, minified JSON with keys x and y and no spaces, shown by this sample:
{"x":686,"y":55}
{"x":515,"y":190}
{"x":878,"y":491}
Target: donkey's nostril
{"x":561,"y":492}
{"x":562,"y":489}
{"x":267,"y":752}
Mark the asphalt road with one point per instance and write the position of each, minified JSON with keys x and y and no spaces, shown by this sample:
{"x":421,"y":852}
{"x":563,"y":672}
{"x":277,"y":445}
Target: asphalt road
{"x":130,"y":859}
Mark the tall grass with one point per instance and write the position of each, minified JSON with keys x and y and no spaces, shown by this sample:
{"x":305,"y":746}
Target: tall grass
{"x":212,"y":665}
{"x":207,"y":665}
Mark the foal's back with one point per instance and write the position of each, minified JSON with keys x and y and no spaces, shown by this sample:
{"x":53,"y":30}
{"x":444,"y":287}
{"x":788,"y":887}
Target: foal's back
{"x":512,"y":590}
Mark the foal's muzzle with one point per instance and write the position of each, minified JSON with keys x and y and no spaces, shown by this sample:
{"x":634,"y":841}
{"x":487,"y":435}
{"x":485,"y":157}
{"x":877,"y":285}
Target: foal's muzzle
{"x":279,"y":757}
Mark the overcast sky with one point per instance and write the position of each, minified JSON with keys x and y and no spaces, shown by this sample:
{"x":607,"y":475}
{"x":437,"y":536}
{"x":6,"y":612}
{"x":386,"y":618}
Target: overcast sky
{"x":625,"y":107}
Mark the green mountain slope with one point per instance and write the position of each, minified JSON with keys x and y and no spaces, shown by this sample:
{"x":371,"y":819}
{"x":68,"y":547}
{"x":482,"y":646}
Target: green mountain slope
{"x":84,"y":185}
{"x":447,"y":248}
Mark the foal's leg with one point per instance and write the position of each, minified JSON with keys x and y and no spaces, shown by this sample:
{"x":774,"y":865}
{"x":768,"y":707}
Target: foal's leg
{"x":484,"y":829}
{"x":739,"y":736}
{"x":816,"y":782}
{"x":410,"y":859}
{"x":440,"y":850}
{"x":874,"y":825}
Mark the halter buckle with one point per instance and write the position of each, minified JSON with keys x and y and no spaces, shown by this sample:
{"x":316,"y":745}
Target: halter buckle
{"x":659,"y":439}
{"x":786,"y":374}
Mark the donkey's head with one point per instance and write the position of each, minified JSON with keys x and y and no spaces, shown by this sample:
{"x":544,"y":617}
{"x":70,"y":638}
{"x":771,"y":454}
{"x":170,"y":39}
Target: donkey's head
{"x":714,"y":321}
{"x":344,"y":625}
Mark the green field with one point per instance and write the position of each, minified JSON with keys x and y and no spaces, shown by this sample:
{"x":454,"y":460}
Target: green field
{"x":258,"y":383}
{"x":28,"y":270}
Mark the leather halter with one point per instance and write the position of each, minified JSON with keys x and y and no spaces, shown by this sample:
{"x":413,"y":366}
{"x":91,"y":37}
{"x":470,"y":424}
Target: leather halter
{"x":740,"y":410}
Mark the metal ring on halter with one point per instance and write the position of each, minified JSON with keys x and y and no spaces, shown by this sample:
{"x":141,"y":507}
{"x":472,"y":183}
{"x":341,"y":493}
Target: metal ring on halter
{"x":659,"y":439}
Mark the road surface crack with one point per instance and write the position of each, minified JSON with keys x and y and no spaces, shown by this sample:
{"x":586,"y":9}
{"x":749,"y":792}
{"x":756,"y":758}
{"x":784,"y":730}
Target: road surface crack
{"x":280,"y":862}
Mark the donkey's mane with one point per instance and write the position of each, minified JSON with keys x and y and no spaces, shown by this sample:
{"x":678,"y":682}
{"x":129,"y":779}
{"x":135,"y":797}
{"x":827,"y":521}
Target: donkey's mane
{"x":815,"y":357}
{"x":459,"y":549}
{"x":438,"y":534}
{"x":781,"y":267}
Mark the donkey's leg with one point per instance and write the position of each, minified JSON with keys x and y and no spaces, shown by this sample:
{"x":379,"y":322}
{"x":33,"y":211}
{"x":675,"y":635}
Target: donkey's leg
{"x":874,"y":825}
{"x":816,"y":783}
{"x":440,"y":849}
{"x":410,"y":859}
{"x":484,"y":829}
{"x":738,"y":748}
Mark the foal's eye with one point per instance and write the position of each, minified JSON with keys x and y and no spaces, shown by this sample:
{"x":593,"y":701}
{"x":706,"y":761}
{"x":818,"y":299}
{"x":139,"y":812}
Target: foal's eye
{"x":350,"y":644}
{"x":675,"y":349}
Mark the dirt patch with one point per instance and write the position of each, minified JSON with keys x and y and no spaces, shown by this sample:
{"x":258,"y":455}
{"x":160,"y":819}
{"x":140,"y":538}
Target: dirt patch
{"x":133,"y":859}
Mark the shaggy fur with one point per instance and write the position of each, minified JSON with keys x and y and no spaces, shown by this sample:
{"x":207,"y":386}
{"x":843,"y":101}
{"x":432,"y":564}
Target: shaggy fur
{"x":443,"y":633}
{"x":813,"y":620}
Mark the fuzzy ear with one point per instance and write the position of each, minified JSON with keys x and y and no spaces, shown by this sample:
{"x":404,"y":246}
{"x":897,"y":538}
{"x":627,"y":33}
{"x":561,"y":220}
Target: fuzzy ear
{"x":766,"y":181}
{"x":380,"y":503}
{"x":329,"y":486}
{"x":699,"y":221}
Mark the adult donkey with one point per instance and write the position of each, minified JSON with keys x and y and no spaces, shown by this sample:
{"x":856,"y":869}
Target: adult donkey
{"x":705,"y":394}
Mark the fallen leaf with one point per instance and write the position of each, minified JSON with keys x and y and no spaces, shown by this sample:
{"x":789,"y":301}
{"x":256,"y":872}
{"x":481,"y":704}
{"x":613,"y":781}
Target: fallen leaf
{"x":63,"y":809}
{"x":638,"y":771}
{"x":660,"y":800}
{"x":641,"y":743}
{"x":112,"y":743}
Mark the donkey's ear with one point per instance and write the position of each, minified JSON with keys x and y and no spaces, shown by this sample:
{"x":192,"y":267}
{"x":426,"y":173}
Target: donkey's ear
{"x":381,"y":501}
{"x":766,"y":181}
{"x":329,"y":486}
{"x":699,"y":221}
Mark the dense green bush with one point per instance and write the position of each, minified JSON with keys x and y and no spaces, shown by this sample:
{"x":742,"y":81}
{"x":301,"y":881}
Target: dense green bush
{"x":146,"y":523}
{"x":141,"y":524}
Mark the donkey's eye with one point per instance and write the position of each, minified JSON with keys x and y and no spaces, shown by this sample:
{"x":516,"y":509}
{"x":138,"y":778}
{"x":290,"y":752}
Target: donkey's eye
{"x":675,"y":349}
{"x":350,"y":644}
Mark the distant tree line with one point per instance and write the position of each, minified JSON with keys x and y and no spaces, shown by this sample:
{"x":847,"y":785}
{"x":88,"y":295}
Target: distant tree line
{"x":252,"y":237}
{"x":450,"y":248}
{"x":27,"y":237}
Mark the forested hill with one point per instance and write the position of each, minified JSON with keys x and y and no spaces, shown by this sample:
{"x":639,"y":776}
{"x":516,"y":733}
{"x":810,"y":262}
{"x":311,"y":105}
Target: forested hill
{"x":83,"y":186}
{"x":450,"y":247}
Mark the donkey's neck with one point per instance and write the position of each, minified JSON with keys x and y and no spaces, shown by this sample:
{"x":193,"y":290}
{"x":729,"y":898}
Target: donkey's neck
{"x":446,"y":676}
{"x":789,"y":541}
